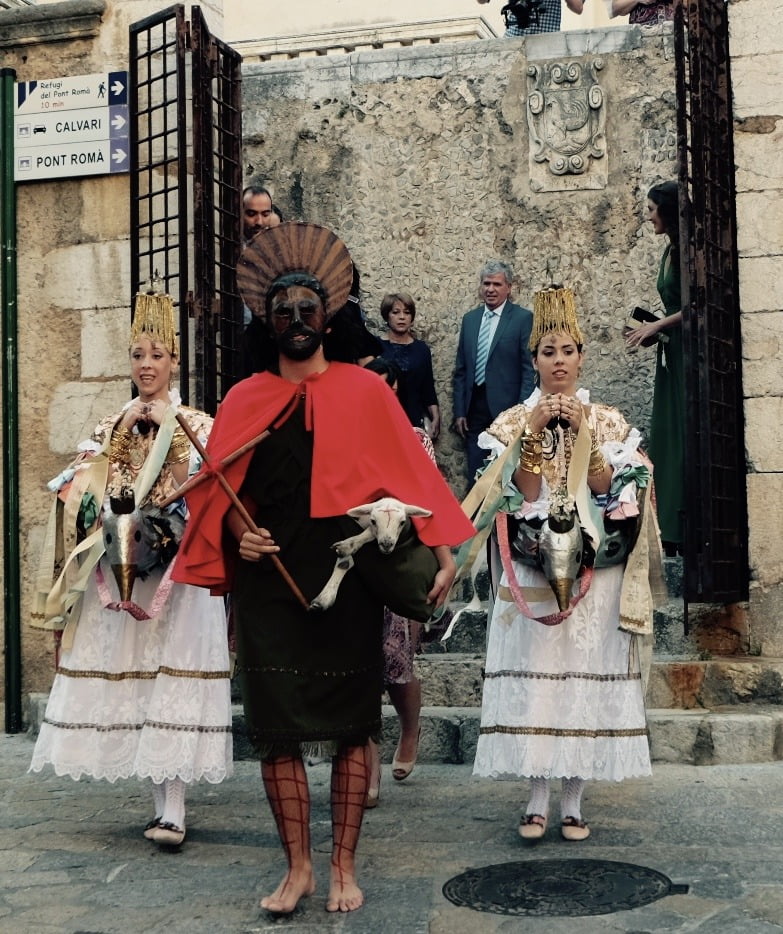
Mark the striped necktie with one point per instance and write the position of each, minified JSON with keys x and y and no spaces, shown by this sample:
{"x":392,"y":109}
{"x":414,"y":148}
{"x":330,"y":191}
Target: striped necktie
{"x":482,"y":348}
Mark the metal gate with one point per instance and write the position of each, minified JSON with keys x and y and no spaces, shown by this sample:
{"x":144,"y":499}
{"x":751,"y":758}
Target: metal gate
{"x":186,"y":180}
{"x":716,"y":525}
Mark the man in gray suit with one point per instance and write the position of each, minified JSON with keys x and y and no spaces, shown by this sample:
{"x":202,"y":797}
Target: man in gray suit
{"x":494,"y":370}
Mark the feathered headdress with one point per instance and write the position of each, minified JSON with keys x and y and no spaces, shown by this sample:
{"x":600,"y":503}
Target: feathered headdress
{"x":295,"y":247}
{"x":554,"y":309}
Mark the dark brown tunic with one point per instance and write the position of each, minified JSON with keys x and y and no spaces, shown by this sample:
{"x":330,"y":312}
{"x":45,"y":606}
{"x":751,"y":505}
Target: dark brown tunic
{"x":310,"y":681}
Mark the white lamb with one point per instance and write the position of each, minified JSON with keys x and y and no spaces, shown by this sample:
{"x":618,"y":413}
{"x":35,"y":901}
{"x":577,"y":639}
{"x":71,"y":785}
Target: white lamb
{"x":383,"y":521}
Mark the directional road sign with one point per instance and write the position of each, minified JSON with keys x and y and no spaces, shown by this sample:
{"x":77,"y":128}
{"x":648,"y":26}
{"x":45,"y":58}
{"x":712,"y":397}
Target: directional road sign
{"x":71,"y":126}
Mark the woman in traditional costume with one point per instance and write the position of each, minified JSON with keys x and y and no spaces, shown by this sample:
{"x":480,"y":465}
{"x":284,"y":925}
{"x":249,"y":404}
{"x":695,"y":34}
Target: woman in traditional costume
{"x":142,"y":686}
{"x":563,"y":693}
{"x":667,"y":424}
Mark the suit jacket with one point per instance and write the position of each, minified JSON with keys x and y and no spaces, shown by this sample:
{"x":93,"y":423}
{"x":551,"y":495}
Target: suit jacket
{"x":510,"y":376}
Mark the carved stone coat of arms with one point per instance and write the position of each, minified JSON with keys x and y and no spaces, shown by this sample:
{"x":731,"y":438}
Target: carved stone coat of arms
{"x":566,"y":120}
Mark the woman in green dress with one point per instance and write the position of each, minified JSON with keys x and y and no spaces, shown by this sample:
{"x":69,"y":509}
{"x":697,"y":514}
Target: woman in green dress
{"x":667,"y":426}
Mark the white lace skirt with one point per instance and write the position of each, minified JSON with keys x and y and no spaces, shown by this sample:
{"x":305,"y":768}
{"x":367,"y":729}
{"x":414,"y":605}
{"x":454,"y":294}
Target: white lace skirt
{"x":562,"y":701}
{"x":149,"y":698}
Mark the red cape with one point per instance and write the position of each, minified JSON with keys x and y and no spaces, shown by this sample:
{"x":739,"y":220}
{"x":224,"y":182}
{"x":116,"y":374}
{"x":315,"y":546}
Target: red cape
{"x":363,"y":449}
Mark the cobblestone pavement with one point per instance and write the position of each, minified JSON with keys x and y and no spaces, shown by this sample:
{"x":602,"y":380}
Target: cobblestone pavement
{"x":74,"y":860}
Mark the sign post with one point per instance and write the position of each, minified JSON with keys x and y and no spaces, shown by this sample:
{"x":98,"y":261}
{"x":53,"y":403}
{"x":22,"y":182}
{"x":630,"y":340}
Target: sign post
{"x":71,"y":126}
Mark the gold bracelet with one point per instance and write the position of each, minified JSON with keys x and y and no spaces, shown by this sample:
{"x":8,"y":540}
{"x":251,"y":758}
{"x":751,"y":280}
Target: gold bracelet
{"x":179,"y":449}
{"x":532,"y":435}
{"x":597,"y":463}
{"x":530,"y":462}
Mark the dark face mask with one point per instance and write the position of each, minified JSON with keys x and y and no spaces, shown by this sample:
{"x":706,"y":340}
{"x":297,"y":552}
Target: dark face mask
{"x":297,"y":321}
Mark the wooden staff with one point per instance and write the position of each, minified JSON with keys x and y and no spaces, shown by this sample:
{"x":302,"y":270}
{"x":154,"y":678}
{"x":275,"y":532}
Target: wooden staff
{"x":236,"y":501}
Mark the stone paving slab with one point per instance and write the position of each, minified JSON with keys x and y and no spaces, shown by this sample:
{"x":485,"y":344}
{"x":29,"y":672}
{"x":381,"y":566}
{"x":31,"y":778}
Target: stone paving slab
{"x":73,"y":861}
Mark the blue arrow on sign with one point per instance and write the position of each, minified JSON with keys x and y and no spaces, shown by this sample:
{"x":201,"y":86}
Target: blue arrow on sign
{"x":119,"y":157}
{"x":118,"y":87}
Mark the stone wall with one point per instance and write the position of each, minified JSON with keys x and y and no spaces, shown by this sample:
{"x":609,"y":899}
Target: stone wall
{"x":757,"y":69}
{"x":419,"y":158}
{"x":73,"y":278}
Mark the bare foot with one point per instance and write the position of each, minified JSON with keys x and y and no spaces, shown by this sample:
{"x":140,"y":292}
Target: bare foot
{"x":344,"y":893}
{"x":297,"y":883}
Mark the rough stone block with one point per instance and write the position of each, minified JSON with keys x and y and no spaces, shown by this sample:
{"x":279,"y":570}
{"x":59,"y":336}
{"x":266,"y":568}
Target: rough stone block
{"x":749,"y":28}
{"x":763,"y":445}
{"x":34,"y":708}
{"x":760,"y":221}
{"x":740,"y":737}
{"x":78,"y":407}
{"x":108,"y":262}
{"x":668,"y":627}
{"x":672,"y":574}
{"x":105,"y":342}
{"x":761,"y":287}
{"x":765,"y":610}
{"x":755,"y":83}
{"x":676,"y":684}
{"x":762,"y":352}
{"x":758,"y":153}
{"x":673,"y":735}
{"x":470,"y":734}
{"x":440,"y":735}
{"x":765,"y":492}
{"x":447,"y":680}
{"x":469,"y":633}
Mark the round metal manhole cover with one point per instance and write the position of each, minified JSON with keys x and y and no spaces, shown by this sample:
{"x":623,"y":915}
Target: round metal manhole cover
{"x":552,"y":887}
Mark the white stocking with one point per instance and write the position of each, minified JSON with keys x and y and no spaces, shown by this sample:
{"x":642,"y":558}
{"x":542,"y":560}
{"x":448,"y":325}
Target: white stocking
{"x":158,"y":798}
{"x":539,"y":797}
{"x":174,"y":811}
{"x":571,"y":798}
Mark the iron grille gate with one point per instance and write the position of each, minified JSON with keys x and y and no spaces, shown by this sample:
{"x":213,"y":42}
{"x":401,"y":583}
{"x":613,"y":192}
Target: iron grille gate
{"x":187,"y":217}
{"x":716,"y":533}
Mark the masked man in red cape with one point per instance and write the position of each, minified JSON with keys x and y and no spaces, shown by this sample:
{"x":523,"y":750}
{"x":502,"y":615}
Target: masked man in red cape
{"x":311,"y":682}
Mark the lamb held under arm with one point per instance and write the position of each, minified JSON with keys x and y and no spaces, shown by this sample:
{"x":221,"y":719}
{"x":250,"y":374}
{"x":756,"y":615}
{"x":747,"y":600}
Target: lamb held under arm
{"x":383,"y":521}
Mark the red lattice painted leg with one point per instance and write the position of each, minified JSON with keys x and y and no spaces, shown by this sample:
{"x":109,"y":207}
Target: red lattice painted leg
{"x":286,"y":787}
{"x":350,"y":779}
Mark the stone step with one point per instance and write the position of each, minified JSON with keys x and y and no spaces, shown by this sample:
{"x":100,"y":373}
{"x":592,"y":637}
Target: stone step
{"x":678,"y":681}
{"x":693,"y":683}
{"x":722,"y":736}
{"x":450,"y":680}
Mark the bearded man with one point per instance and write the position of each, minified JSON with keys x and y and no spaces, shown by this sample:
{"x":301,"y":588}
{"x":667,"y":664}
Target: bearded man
{"x":311,"y":683}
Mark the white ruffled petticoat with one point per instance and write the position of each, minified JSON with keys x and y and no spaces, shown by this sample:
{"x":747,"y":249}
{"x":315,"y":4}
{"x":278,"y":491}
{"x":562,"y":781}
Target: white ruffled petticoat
{"x":149,"y":698}
{"x":562,"y":701}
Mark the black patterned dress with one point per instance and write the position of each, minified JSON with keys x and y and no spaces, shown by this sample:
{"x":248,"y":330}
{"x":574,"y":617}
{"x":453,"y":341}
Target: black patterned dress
{"x":311,"y":681}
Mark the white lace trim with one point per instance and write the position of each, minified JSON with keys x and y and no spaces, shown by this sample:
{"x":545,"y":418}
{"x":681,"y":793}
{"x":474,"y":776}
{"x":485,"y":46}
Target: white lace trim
{"x":146,"y":698}
{"x":545,"y":683}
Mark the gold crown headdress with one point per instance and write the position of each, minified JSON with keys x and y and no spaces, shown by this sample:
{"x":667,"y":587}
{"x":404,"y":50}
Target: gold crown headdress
{"x":153,"y":317}
{"x":294,"y":247}
{"x":554,"y":309}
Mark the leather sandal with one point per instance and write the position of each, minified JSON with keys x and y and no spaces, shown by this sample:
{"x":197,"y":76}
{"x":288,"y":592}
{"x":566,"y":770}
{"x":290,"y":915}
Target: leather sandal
{"x":169,"y":834}
{"x":532,"y":826}
{"x":574,"y":829}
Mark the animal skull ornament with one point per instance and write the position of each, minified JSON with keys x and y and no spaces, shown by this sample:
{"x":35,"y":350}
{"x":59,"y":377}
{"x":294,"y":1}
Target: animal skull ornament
{"x":137,"y":540}
{"x":561,"y":547}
